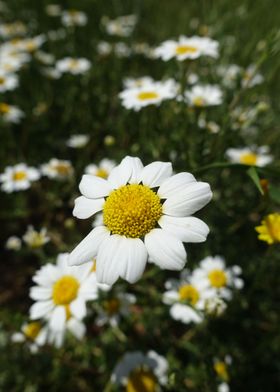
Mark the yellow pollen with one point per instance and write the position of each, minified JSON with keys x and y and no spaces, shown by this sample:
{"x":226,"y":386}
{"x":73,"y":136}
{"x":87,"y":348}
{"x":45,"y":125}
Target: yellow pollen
{"x":32,"y":330}
{"x":4,"y":108}
{"x":142,"y":381}
{"x":19,"y":176}
{"x":221,"y":370}
{"x":189,"y":293}
{"x":112,"y":306}
{"x":65,"y":290}
{"x":217,"y":278}
{"x":93,"y":268}
{"x":101,"y":173}
{"x":63,"y":169}
{"x":132,"y":210}
{"x":73,"y":64}
{"x":185,"y":49}
{"x":198,"y":101}
{"x":2,"y":80}
{"x":147,"y":95}
{"x":269,"y":230}
{"x":249,"y":158}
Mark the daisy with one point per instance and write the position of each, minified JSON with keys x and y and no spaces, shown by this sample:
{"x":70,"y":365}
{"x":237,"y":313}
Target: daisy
{"x":73,"y":18}
{"x":14,"y":29}
{"x":187,"y":48}
{"x":269,"y":229}
{"x":103,"y":169}
{"x":146,"y":212}
{"x":8,"y":81}
{"x":32,"y":44}
{"x":223,"y":387}
{"x":62,"y":292}
{"x":44,"y":57}
{"x":251,"y":77}
{"x":113,"y":308}
{"x":229,"y":74}
{"x":77,"y":141}
{"x":139,"y":372}
{"x":252,"y":156}
{"x":138,"y":82}
{"x":57,"y":169}
{"x":18,"y":177}
{"x":53,"y":10}
{"x":75,"y":66}
{"x":122,"y":26}
{"x":13,"y":243}
{"x":35,"y":239}
{"x":214,"y":275}
{"x":201,"y":96}
{"x":33,"y":333}
{"x":10,"y":114}
{"x":152,"y":93}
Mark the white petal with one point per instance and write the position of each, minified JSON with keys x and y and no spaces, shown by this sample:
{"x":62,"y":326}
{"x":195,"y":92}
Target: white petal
{"x":185,"y":314}
{"x":94,"y":187}
{"x":122,"y":173}
{"x":187,"y":202}
{"x":107,"y":267}
{"x":134,"y":256}
{"x":186,"y":229}
{"x":165,"y":250}
{"x":137,"y":167}
{"x":175,"y":184}
{"x":155,"y":173}
{"x":58,"y":319}
{"x":78,"y":308}
{"x":77,"y":328}
{"x":40,"y":293}
{"x":88,"y":247}
{"x":40,"y":309}
{"x":84,"y":207}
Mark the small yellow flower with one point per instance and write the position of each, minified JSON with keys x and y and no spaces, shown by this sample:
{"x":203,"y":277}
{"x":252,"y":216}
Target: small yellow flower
{"x":220,"y":368}
{"x":269,"y":230}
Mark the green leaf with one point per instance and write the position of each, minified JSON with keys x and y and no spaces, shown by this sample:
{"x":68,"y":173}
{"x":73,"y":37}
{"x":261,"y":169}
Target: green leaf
{"x":274,"y":193}
{"x":253,"y":174}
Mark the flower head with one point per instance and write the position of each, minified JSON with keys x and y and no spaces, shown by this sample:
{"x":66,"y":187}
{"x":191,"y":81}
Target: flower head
{"x":103,"y":169}
{"x":18,"y":177}
{"x":35,"y":239}
{"x":57,"y":169}
{"x":122,"y":26}
{"x":73,"y":17}
{"x":269,"y":230}
{"x":77,"y":141}
{"x":75,"y":66}
{"x":13,"y":243}
{"x":201,"y":96}
{"x":10,"y":113}
{"x":146,"y":213}
{"x":251,"y":156}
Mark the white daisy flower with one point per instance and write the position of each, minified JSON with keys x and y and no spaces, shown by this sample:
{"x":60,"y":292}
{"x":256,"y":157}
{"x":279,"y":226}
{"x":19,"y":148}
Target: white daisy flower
{"x":187,"y":48}
{"x":34,"y":333}
{"x":18,"y":177}
{"x":201,"y":96}
{"x":77,"y":141}
{"x":35,"y":239}
{"x":75,"y":66}
{"x":62,"y":292}
{"x":113,"y":308}
{"x":73,"y":18}
{"x":229,"y":74}
{"x":122,"y":26}
{"x":103,"y":169}
{"x":252,"y":156}
{"x":146,"y":213}
{"x":10,"y":114}
{"x":13,"y":243}
{"x":137,"y":82}
{"x":138,"y":372}
{"x":152,"y":93}
{"x":121,"y":49}
{"x":213,"y":274}
{"x":32,"y":44}
{"x":251,"y":77}
{"x":53,"y":10}
{"x":14,"y":29}
{"x":44,"y":57}
{"x":57,"y":169}
{"x":8,"y":81}
{"x":104,"y":48}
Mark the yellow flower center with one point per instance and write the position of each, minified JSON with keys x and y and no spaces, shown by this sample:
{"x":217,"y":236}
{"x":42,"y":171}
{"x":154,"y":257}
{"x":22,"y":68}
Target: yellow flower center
{"x":31,"y":330}
{"x":189,"y":293}
{"x":63,"y":169}
{"x":248,"y":158}
{"x":65,"y":290}
{"x":37,"y":240}
{"x":19,"y":176}
{"x":132,"y":210}
{"x":73,"y":64}
{"x":185,"y":49}
{"x":199,"y":101}
{"x":101,"y":173}
{"x":2,"y":80}
{"x":269,"y":230}
{"x":4,"y":108}
{"x":221,"y":370}
{"x":217,"y":278}
{"x":112,"y":306}
{"x":147,"y":95}
{"x":142,"y":381}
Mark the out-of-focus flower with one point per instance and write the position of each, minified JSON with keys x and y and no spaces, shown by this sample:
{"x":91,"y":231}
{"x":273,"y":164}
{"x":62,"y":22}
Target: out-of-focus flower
{"x":73,"y":18}
{"x":14,"y":29}
{"x":138,"y":199}
{"x":52,"y":73}
{"x":10,"y":114}
{"x":138,"y":82}
{"x":35,"y":239}
{"x":223,"y":387}
{"x":104,"y":48}
{"x":109,"y":140}
{"x":62,"y":292}
{"x":75,"y":66}
{"x":13,"y":243}
{"x":251,"y":77}
{"x":8,"y":81}
{"x":18,"y":177}
{"x":53,"y":10}
{"x":229,"y":74}
{"x":141,"y":372}
{"x":252,"y":156}
{"x":122,"y":26}
{"x":103,"y":169}
{"x":187,"y":48}
{"x":121,"y":49}
{"x":150,"y":93}
{"x":33,"y":333}
{"x":44,"y":57}
{"x":201,"y":96}
{"x":221,"y":367}
{"x":57,"y":169}
{"x":113,"y":308}
{"x":214,"y":306}
{"x":12,"y":60}
{"x":56,"y":35}
{"x":77,"y":141}
{"x":214,"y":275}
{"x":32,"y":44}
{"x":269,"y":229}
